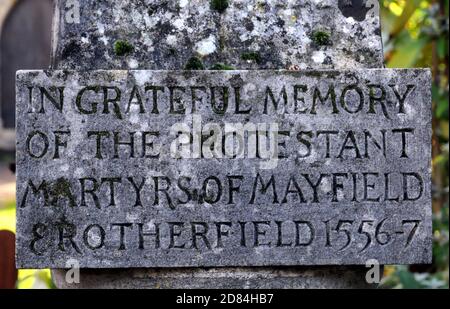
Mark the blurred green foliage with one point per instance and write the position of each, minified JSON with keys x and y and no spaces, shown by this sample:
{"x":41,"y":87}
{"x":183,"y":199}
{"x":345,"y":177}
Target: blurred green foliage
{"x":415,"y":34}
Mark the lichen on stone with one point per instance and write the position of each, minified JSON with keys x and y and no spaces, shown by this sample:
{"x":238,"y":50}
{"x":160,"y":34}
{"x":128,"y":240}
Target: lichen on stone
{"x":121,"y":48}
{"x":194,"y":63}
{"x":321,"y":37}
{"x":219,"y":5}
{"x":206,"y":46}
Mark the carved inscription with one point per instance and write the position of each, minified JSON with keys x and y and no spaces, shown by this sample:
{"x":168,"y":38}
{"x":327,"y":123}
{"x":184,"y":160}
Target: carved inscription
{"x":236,"y":168}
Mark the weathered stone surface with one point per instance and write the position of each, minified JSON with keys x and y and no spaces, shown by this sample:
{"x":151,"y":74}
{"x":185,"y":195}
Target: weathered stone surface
{"x":248,"y":34}
{"x":383,"y":204}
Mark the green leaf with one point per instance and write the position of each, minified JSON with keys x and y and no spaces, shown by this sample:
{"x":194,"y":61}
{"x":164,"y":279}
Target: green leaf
{"x":408,"y":281}
{"x":408,"y":51}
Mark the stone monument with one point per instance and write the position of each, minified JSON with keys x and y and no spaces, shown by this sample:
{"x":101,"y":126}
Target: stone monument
{"x":185,"y":144}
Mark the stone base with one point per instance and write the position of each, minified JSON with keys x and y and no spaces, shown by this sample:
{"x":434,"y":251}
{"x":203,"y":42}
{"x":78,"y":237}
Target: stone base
{"x":219,"y":278}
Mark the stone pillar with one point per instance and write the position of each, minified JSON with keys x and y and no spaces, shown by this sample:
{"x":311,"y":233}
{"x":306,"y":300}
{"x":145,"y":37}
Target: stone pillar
{"x":203,"y":34}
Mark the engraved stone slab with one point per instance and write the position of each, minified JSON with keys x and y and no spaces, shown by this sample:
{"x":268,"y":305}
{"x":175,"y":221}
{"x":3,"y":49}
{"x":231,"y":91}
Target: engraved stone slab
{"x":121,"y":169}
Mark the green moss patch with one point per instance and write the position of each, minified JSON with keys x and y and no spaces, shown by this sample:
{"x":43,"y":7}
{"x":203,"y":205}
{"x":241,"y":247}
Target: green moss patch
{"x":219,"y":5}
{"x":321,"y":38}
{"x":122,"y":48}
{"x":194,"y":63}
{"x":222,"y":67}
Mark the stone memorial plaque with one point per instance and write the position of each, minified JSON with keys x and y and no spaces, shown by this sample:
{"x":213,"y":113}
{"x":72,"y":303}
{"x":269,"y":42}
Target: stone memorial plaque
{"x":120,"y":169}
